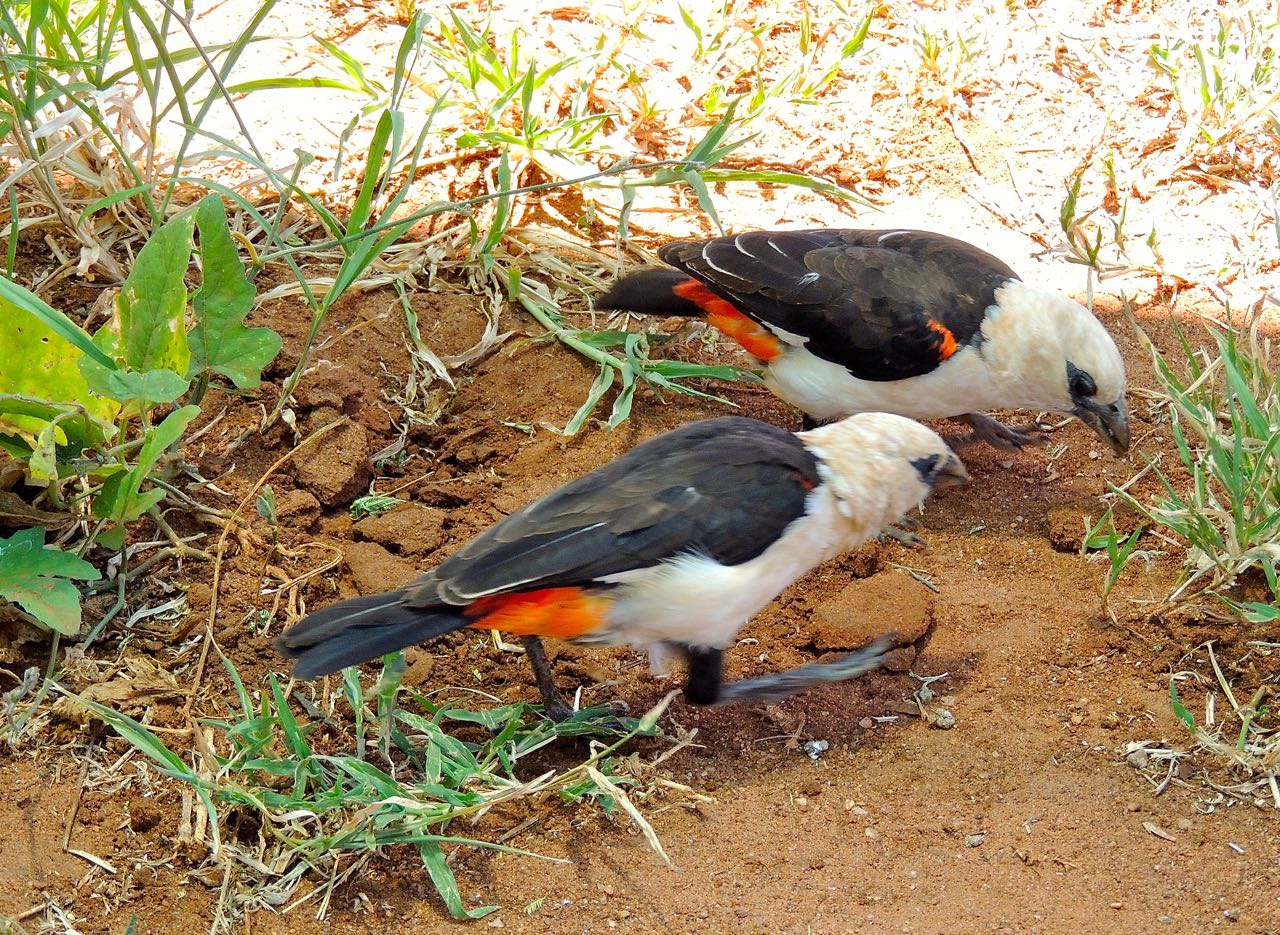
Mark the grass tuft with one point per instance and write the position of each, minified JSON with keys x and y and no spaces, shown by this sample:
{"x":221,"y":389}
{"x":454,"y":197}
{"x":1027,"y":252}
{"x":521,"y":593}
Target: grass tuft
{"x":353,"y":772}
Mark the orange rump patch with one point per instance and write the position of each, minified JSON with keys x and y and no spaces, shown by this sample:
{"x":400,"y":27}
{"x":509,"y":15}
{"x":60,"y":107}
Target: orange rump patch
{"x":750,"y":336}
{"x":948,"y":345}
{"x":563,"y":613}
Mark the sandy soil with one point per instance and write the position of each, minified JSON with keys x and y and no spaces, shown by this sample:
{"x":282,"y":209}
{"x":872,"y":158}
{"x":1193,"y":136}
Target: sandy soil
{"x":1024,"y":817}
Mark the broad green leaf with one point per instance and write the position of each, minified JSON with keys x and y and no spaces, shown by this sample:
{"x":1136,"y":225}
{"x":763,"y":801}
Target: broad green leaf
{"x":152,"y":388}
{"x":220,"y":342}
{"x":149,"y":331}
{"x":40,"y":364}
{"x":34,"y":577}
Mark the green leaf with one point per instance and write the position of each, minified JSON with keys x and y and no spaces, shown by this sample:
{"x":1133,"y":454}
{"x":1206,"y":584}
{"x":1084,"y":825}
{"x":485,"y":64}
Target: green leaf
{"x":447,"y":884}
{"x":122,"y":498}
{"x":149,"y":331}
{"x":40,"y":364}
{"x":220,"y":342}
{"x":1185,"y":716}
{"x":152,"y":388}
{"x":33,"y":576}
{"x":13,"y":295}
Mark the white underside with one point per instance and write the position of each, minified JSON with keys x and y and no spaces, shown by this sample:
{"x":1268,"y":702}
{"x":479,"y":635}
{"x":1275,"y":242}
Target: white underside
{"x":696,"y":594}
{"x":824,"y":390}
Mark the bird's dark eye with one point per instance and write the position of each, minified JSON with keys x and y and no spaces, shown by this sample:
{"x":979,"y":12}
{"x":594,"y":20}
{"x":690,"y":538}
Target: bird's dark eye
{"x":1079,"y":383}
{"x":925,"y":467}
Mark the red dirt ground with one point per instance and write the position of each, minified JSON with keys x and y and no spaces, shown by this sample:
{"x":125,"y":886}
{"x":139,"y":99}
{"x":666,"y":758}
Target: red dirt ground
{"x":1024,"y":817}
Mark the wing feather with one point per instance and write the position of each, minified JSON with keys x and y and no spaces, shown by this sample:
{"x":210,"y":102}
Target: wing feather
{"x":871,"y":301}
{"x":723,"y":487}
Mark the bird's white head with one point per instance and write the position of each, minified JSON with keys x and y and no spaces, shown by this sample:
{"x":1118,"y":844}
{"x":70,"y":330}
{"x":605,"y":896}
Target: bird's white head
{"x":1061,"y":358}
{"x":881,"y":466}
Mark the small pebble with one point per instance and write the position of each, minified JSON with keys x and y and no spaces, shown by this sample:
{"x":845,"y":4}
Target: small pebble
{"x":1117,"y":905}
{"x":1165,"y":920}
{"x":741,"y":913}
{"x":866,"y":723}
{"x":872,"y":833}
{"x":1138,"y":759}
{"x":1132,"y":807}
{"x":815,"y":748}
{"x":1185,"y":824}
{"x":944,"y":719}
{"x":702,"y":913}
{"x":802,"y":802}
{"x":975,"y":840}
{"x":1232,"y":914}
{"x":925,"y":693}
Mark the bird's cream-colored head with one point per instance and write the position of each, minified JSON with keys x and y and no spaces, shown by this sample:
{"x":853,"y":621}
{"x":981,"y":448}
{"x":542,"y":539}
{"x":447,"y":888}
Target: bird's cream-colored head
{"x":1061,"y":357}
{"x":880,"y":466}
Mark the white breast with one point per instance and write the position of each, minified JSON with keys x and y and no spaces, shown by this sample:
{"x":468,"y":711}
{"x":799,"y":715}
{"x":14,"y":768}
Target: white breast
{"x":827,"y":391}
{"x":697,"y":601}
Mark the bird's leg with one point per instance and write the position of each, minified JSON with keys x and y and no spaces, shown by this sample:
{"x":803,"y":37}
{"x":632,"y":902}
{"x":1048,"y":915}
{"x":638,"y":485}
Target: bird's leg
{"x":553,"y":703}
{"x":997,"y":434}
{"x":780,"y":685}
{"x":702,"y":686}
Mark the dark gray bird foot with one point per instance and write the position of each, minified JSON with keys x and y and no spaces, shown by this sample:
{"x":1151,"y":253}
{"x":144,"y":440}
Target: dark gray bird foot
{"x":998,"y":435}
{"x":781,"y":685}
{"x":898,"y":533}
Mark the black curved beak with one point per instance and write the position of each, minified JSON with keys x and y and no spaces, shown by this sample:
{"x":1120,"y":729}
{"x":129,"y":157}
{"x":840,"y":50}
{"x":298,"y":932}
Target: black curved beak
{"x":1110,"y":422}
{"x":951,"y":473}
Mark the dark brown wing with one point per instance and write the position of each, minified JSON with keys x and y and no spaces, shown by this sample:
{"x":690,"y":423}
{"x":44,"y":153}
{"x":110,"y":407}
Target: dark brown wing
{"x":725,"y":488}
{"x":886,"y":305}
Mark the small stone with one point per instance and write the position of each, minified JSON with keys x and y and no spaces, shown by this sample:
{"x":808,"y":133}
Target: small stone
{"x":1165,"y":920}
{"x":802,"y":802}
{"x":859,"y":810}
{"x":1138,"y":759}
{"x":702,"y":913}
{"x":1232,"y":914}
{"x":871,"y":833}
{"x":866,"y":723}
{"x":975,"y":840}
{"x":943,"y":719}
{"x":741,"y":913}
{"x":1185,"y":824}
{"x":1117,"y":905}
{"x":815,"y":748}
{"x":1133,"y":807}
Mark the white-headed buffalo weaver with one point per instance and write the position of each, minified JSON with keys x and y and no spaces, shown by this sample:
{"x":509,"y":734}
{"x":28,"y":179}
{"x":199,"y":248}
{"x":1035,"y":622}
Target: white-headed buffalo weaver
{"x":900,"y":321}
{"x":675,"y":545}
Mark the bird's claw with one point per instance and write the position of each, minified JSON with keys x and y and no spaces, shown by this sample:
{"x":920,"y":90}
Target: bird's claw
{"x":605,"y":716}
{"x":896,"y":532}
{"x":1000,"y":436}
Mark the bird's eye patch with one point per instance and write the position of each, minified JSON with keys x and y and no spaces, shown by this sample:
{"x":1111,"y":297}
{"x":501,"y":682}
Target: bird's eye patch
{"x":1079,"y":383}
{"x":925,"y":466}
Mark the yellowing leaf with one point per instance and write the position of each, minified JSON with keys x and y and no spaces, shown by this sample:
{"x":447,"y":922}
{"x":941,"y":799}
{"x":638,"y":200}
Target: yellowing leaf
{"x":40,"y":364}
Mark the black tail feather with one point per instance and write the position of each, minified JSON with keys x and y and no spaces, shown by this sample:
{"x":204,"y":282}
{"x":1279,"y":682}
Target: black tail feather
{"x":650,"y":292}
{"x":361,"y":629}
